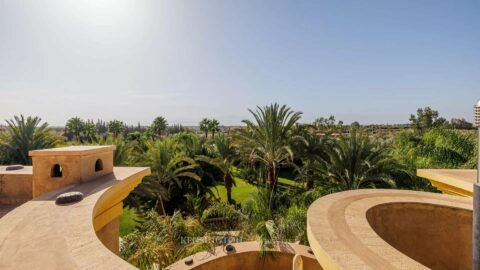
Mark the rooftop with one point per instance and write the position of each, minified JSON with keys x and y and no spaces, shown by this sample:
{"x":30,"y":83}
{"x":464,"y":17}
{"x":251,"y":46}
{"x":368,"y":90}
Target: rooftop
{"x":43,"y":235}
{"x":72,"y":150}
{"x":26,"y":170}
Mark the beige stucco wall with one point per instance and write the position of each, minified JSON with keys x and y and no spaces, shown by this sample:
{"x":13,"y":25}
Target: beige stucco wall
{"x":75,"y":169}
{"x":42,"y":167}
{"x":88,"y":172}
{"x":439,"y":237}
{"x":15,"y":188}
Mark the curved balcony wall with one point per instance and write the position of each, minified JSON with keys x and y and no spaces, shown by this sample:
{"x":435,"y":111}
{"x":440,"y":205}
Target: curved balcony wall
{"x":391,"y":229}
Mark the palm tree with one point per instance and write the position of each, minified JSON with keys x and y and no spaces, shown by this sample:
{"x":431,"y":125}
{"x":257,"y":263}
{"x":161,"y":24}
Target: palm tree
{"x":90,"y":131}
{"x":269,"y":137}
{"x":159,"y":126}
{"x":357,"y":162}
{"x":214,"y":126}
{"x":224,"y":157}
{"x":123,"y":149}
{"x":163,"y":240}
{"x":168,"y":169}
{"x":116,"y":127}
{"x":204,"y":126}
{"x":313,"y":152}
{"x":75,"y":127}
{"x":25,"y":134}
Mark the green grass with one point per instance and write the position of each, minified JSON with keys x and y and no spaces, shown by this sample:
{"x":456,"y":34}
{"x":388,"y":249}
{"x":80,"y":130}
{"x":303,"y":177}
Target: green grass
{"x":128,"y":221}
{"x":244,"y":191}
{"x":240,"y":193}
{"x":287,"y":181}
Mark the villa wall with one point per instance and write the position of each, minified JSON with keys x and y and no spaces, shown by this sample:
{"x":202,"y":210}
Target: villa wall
{"x":75,"y":169}
{"x":15,"y":188}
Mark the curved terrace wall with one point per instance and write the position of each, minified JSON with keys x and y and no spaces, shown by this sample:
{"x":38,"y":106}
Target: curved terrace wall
{"x":247,"y":256}
{"x":40,"y":234}
{"x":391,"y":229}
{"x":439,"y":237}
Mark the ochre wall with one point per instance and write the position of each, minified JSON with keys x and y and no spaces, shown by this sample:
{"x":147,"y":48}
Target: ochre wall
{"x":88,"y":165}
{"x":15,"y":188}
{"x":42,"y":168}
{"x":75,"y":169}
{"x":439,"y":237}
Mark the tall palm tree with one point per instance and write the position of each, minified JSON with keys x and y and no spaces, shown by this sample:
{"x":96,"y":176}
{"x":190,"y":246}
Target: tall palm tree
{"x":159,"y":126}
{"x":75,"y":127}
{"x":168,"y":169}
{"x":312,"y":152}
{"x":25,"y":134}
{"x":357,"y":162}
{"x":214,"y":126}
{"x":224,"y":157}
{"x":204,"y":126}
{"x":90,"y":131}
{"x":116,"y":127}
{"x":268,"y":138}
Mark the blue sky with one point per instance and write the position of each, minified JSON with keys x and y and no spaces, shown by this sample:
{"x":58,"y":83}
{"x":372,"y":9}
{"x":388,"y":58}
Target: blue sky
{"x":366,"y":61}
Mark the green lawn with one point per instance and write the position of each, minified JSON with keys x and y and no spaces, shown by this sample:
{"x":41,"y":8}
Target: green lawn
{"x":287,"y":181}
{"x":128,"y":221}
{"x":243,"y":190}
{"x":240,"y":193}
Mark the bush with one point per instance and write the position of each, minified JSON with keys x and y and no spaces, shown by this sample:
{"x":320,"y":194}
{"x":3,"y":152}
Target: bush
{"x":221,"y":214}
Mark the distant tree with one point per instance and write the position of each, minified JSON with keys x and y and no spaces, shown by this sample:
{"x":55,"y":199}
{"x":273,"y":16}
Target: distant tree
{"x":89,"y":131}
{"x":23,"y":135}
{"x":355,"y":124}
{"x":175,"y":128}
{"x":214,"y":126}
{"x":159,"y":126}
{"x":426,"y":118}
{"x":116,"y":127}
{"x":329,"y":124}
{"x":74,"y":127}
{"x":458,"y":123}
{"x":101,"y":127}
{"x":204,"y":126}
